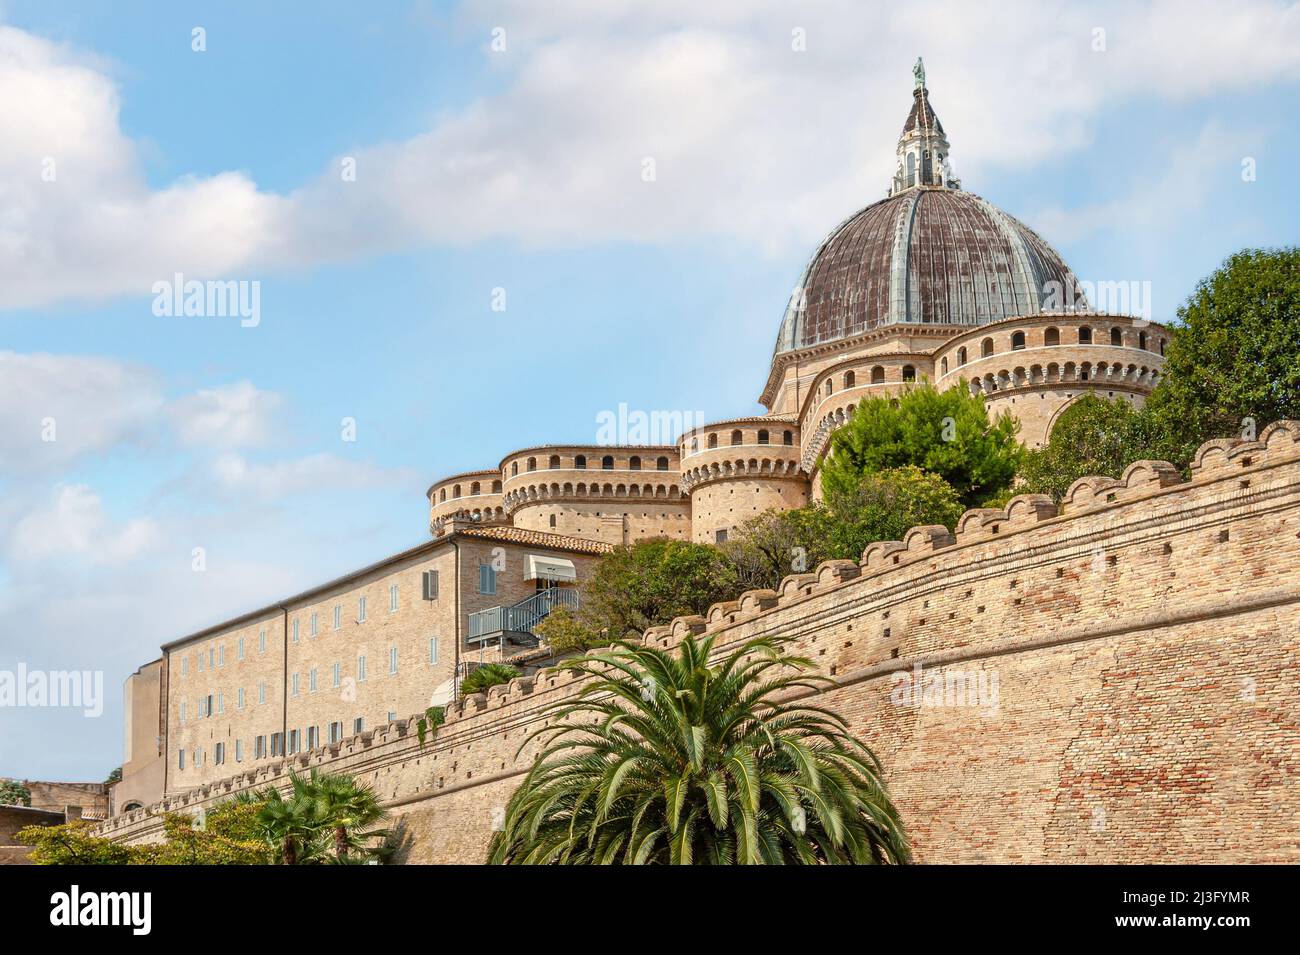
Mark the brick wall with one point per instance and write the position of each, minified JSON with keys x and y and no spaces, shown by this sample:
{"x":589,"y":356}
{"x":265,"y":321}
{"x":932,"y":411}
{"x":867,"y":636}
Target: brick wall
{"x":1138,"y":650}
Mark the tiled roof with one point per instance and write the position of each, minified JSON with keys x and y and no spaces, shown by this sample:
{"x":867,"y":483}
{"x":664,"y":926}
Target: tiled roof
{"x":522,"y":535}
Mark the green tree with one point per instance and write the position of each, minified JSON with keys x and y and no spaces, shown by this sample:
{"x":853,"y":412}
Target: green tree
{"x":881,"y":505}
{"x":14,"y":793}
{"x":664,"y":758}
{"x":1235,"y":353}
{"x":114,"y":777}
{"x":287,"y":824}
{"x":349,"y":810}
{"x":487,"y":676}
{"x":947,"y":433}
{"x":227,"y":834}
{"x":650,"y":583}
{"x":73,"y":843}
{"x":1092,"y":436}
{"x":772,"y":545}
{"x":564,"y":632}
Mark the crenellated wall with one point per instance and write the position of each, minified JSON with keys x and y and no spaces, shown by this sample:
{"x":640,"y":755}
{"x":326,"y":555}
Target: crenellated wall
{"x":1117,"y":678}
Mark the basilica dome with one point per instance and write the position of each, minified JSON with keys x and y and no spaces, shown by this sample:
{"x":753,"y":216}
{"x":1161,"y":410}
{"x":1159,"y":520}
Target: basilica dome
{"x":928,"y":254}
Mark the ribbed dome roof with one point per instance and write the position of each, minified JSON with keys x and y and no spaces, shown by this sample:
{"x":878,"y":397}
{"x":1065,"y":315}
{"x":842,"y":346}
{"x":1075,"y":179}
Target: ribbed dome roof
{"x":926,"y":255}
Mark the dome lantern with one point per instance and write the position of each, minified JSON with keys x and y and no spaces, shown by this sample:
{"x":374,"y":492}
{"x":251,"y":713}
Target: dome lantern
{"x":922,"y":151}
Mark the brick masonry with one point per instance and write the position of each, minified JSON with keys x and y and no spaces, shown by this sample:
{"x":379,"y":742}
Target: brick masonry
{"x":1143,"y":639}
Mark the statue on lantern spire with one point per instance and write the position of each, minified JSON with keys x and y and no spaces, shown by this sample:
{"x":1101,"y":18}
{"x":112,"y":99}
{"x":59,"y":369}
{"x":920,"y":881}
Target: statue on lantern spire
{"x":918,"y":72}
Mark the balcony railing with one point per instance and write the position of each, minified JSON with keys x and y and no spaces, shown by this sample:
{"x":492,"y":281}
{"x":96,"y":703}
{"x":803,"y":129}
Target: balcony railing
{"x":521,"y":618}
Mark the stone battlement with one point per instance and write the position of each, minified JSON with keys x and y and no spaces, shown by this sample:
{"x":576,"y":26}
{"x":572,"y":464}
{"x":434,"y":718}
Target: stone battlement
{"x":1142,"y":636}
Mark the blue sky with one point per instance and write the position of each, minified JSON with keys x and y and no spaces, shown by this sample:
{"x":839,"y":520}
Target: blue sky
{"x":481,"y":168}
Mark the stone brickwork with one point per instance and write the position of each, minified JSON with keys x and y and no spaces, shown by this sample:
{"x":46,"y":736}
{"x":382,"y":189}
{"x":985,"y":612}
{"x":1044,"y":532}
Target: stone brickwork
{"x":1119,"y":679}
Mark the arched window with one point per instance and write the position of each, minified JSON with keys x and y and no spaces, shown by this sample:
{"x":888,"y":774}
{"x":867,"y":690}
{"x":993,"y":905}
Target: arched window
{"x":634,"y":463}
{"x":1052,"y":336}
{"x":555,"y":462}
{"x":762,"y":437}
{"x":514,"y":468}
{"x":695,"y":445}
{"x":131,"y":806}
{"x":475,"y":488}
{"x":1162,"y":346}
{"x":552,"y":520}
{"x":532,"y":464}
{"x":661,"y":464}
{"x":442,"y":495}
{"x":943,"y":366}
{"x":788,"y":439}
{"x":736,"y":437}
{"x":496,"y":487}
{"x":986,"y":348}
{"x":877,"y":375}
{"x":1116,"y":337}
{"x":830,"y":386}
{"x":580,"y":462}
{"x":849,"y":379}
{"x":1017,"y":341}
{"x":455,"y":490}
{"x":961,"y":356}
{"x":713,"y":440}
{"x":607,"y":462}
{"x":1142,"y":340}
{"x":909,"y":373}
{"x":1085,"y":336}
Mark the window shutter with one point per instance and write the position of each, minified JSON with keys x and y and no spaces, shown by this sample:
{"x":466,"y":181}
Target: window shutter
{"x":430,"y":585}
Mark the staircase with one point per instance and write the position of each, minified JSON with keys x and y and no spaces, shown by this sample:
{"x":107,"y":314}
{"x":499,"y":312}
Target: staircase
{"x":515,"y":624}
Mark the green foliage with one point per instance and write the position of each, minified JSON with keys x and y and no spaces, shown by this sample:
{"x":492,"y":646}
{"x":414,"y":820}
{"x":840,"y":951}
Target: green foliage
{"x":227,"y":834}
{"x":486,"y":676}
{"x":324,"y":818}
{"x":882,"y":505}
{"x":114,"y":777}
{"x":1236,"y":353}
{"x":650,"y":583}
{"x":885,"y":506}
{"x":663,"y":758}
{"x":947,"y":433}
{"x":564,"y":632}
{"x":73,"y":843}
{"x":428,"y":724}
{"x":1092,"y":436}
{"x":775,"y":544}
{"x":14,"y":793}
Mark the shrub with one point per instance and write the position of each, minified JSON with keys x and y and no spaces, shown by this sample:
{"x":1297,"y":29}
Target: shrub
{"x":488,"y":675}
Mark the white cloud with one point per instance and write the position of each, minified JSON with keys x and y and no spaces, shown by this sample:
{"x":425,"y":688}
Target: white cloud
{"x":313,"y":473}
{"x":78,"y":219}
{"x":231,"y":416}
{"x":57,"y":408}
{"x":751,"y":140}
{"x":71,"y":523}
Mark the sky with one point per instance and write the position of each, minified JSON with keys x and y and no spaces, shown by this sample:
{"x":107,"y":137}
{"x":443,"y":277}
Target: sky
{"x":473,"y":228}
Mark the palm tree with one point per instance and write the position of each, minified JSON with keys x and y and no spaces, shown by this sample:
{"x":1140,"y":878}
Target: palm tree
{"x":663,"y":758}
{"x":339,"y":803}
{"x":287,"y":824}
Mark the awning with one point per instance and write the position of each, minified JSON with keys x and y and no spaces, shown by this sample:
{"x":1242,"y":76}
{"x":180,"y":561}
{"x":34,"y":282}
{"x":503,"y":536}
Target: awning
{"x":550,"y":568}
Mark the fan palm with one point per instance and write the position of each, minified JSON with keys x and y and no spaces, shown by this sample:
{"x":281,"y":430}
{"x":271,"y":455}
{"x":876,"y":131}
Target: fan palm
{"x":663,"y":758}
{"x":339,"y":804}
{"x":288,"y":824}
